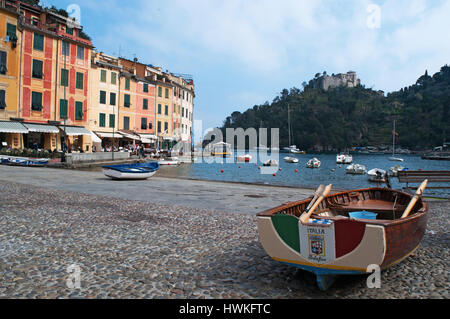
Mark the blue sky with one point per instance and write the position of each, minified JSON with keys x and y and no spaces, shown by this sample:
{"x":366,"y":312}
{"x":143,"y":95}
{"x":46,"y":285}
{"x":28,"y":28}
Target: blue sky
{"x":242,"y":53}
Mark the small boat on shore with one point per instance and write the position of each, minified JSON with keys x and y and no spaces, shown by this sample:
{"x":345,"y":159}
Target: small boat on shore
{"x":136,"y":171}
{"x":23,"y":161}
{"x":173,"y":161}
{"x":345,"y":233}
{"x":313,"y":163}
{"x":291,"y":160}
{"x":356,"y":169}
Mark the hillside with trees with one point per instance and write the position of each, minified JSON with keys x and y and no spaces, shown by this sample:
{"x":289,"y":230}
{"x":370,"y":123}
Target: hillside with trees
{"x":344,"y":117}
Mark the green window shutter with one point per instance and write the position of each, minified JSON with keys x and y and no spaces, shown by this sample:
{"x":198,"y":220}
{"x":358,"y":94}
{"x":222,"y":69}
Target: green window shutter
{"x":127,"y":84}
{"x":160,"y":91}
{"x":38,"y":43}
{"x":36,"y":101}
{"x":102,"y":120}
{"x":103,"y":76}
{"x":80,"y":52}
{"x":63,"y":108}
{"x":112,"y":98}
{"x":143,"y":123}
{"x":113,"y":77}
{"x":78,"y":111}
{"x":159,"y":108}
{"x":166,"y":110}
{"x":11,"y":31}
{"x":167,"y":93}
{"x":80,"y":80}
{"x":159,"y":127}
{"x":65,"y":49}
{"x":166,"y":126}
{"x":69,"y":30}
{"x":37,"y":69}
{"x":145,"y":106}
{"x":102,"y":97}
{"x":64,"y":77}
{"x":126,"y":123}
{"x":127,"y":100}
{"x":145,"y":87}
{"x":112,"y":120}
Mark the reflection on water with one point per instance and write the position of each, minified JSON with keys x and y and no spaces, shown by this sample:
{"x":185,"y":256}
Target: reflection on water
{"x":329,"y":172}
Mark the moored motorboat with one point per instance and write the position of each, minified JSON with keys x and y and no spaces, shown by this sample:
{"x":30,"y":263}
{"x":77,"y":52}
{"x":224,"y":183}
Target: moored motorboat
{"x":271,"y":162}
{"x":313,"y":163}
{"x":356,"y":169}
{"x":349,"y":233}
{"x":244,"y":158}
{"x":131,"y":171}
{"x":377,"y":175}
{"x":393,"y":171}
{"x":344,"y":159}
{"x":291,"y":160}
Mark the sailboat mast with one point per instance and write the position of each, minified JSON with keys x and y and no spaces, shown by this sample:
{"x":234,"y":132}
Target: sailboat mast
{"x":393,"y":141}
{"x":289,"y":125}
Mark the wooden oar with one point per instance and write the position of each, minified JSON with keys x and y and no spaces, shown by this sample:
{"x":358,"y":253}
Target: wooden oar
{"x":306,"y":215}
{"x":318,"y":192}
{"x":415,"y":198}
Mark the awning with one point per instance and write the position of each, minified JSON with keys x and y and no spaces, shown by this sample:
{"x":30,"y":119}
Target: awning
{"x":169,"y":138}
{"x":146,"y":140}
{"x":95,"y":138}
{"x":148,"y":137}
{"x":108,"y":135}
{"x":12,"y":127}
{"x":75,"y":131}
{"x":130,"y":136}
{"x":41,"y":128}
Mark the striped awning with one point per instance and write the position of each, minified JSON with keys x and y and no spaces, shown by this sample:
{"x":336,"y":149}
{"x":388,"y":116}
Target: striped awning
{"x":12,"y":127}
{"x":41,"y":128}
{"x":75,"y":130}
{"x":130,"y":136}
{"x":108,"y":135}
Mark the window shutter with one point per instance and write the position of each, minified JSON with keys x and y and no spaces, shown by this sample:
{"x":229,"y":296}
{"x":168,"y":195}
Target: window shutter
{"x":3,"y":65}
{"x":63,"y":109}
{"x":145,"y":87}
{"x":102,"y":97}
{"x":103,"y":76}
{"x":64,"y":77}
{"x":102,"y":120}
{"x":112,"y":119}
{"x":112,"y":98}
{"x":78,"y":111}
{"x":145,"y":106}
{"x":127,"y":100}
{"x":37,"y":69}
{"x":80,"y":79}
{"x":38,"y":43}
{"x":2,"y":99}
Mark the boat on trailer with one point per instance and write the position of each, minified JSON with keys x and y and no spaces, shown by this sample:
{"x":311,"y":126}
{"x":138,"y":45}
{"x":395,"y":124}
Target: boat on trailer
{"x":136,"y":171}
{"x":348,"y":232}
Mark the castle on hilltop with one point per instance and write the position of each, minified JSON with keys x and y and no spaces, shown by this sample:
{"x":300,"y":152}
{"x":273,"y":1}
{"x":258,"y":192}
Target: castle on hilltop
{"x":326,"y":82}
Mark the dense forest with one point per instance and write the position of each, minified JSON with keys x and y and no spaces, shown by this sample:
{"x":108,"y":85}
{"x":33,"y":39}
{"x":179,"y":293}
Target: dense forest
{"x":343,"y":117}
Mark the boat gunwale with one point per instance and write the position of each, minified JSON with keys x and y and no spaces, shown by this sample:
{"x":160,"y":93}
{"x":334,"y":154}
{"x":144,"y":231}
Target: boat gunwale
{"x":381,"y":222}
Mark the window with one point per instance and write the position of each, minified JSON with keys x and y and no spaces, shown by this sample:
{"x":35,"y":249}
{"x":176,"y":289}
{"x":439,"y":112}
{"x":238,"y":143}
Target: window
{"x":143,"y":123}
{"x":38,"y":42}
{"x":102,"y":97}
{"x":160,"y":91}
{"x":127,"y":84}
{"x":113,"y":77}
{"x":69,"y":30}
{"x":78,"y":111}
{"x":126,"y":123}
{"x":103,"y":76}
{"x":182,"y":112}
{"x":145,"y":88}
{"x":64,"y":77}
{"x":11,"y":31}
{"x":3,"y":68}
{"x":80,"y":80}
{"x":112,"y":120}
{"x":166,"y":126}
{"x":65,"y":50}
{"x":2,"y":99}
{"x":150,"y":125}
{"x":102,"y":120}
{"x":63,"y":109}
{"x":37,"y":69}
{"x":112,"y":98}
{"x":159,"y":127}
{"x":126,"y":100}
{"x":145,"y":106}
{"x":159,"y":108}
{"x":166,"y":110}
{"x":167,"y":93}
{"x":80,"y":52}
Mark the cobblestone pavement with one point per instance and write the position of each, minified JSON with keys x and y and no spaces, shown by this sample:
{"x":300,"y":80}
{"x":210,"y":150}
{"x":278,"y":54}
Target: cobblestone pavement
{"x":137,"y":249}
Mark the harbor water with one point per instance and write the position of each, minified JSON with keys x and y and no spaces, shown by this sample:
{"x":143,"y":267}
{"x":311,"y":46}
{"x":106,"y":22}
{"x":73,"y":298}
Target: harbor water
{"x":297,"y":175}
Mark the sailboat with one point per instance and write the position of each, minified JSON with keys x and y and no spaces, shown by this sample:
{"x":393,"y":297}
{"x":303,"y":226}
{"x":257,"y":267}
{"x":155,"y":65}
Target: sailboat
{"x":292,"y":148}
{"x":394,"y":158}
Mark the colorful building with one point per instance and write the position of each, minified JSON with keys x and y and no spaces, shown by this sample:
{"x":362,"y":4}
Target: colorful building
{"x":10,"y":42}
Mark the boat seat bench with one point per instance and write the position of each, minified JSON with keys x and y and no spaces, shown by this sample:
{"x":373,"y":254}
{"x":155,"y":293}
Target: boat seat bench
{"x":440,"y":177}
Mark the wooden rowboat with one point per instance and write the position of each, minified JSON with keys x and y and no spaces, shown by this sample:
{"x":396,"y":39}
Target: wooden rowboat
{"x":333,"y":243}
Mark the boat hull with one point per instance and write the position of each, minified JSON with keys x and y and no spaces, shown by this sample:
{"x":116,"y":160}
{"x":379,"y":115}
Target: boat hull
{"x":139,"y":171}
{"x":128,"y":176}
{"x":354,"y":244}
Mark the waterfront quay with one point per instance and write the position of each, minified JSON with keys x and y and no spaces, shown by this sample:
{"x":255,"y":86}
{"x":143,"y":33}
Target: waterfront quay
{"x":172,"y":238}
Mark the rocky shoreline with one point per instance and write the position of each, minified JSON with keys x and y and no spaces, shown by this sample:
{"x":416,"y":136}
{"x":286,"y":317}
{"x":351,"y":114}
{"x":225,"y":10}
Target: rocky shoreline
{"x":134,"y":249}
